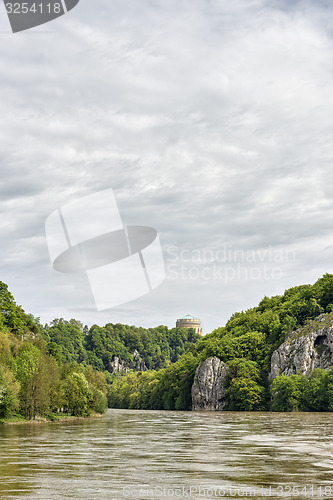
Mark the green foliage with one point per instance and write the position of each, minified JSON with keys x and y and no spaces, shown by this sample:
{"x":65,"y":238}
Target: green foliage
{"x":288,"y":393}
{"x":155,"y":348}
{"x":66,"y":365}
{"x":98,"y":388}
{"x":98,"y":401}
{"x":166,"y":389}
{"x":77,"y":394}
{"x":243,"y":390}
{"x":9,"y":390}
{"x":245,"y":394}
{"x":243,"y":368}
{"x":33,"y":379}
{"x":246,"y":344}
{"x":12,"y":316}
{"x":38,"y":375}
{"x":70,"y":338}
{"x":301,"y":393}
{"x":316,"y":398}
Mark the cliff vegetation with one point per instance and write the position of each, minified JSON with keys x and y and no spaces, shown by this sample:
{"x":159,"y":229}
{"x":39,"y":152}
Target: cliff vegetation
{"x":276,"y":356}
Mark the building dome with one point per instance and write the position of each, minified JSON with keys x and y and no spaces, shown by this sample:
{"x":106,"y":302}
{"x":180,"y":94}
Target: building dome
{"x":189,"y":321}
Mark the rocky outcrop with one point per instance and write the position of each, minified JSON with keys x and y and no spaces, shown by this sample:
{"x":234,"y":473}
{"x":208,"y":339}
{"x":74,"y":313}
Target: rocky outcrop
{"x":305,"y":350}
{"x":138,"y":362}
{"x":208,"y":392}
{"x":118,"y":365}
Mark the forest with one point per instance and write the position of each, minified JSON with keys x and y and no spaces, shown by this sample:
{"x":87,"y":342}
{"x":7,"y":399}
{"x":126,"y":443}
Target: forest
{"x":65,"y":367}
{"x":246,"y":344}
{"x":33,"y":380}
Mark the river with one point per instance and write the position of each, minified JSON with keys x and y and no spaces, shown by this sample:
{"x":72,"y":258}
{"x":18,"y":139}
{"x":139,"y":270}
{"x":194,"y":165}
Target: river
{"x":153,"y":454}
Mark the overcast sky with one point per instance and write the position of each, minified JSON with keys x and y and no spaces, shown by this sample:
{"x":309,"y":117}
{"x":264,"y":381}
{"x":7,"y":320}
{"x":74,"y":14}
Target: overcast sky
{"x":211,"y":120}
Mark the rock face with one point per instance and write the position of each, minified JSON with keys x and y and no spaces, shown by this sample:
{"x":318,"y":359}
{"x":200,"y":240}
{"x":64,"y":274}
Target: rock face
{"x":118,"y":365}
{"x":208,"y":392}
{"x":305,"y":350}
{"x":139,"y":364}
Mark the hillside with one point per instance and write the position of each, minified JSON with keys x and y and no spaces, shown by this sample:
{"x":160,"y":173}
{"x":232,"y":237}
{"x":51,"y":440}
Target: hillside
{"x":245,"y":344}
{"x":33,"y":382}
{"x":65,"y":367}
{"x":117,"y":347}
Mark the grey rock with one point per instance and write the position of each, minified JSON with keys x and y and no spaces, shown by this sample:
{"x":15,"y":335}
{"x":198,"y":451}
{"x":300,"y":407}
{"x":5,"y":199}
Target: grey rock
{"x":117,"y":365}
{"x":208,"y":392}
{"x":305,"y":350}
{"x":138,"y":362}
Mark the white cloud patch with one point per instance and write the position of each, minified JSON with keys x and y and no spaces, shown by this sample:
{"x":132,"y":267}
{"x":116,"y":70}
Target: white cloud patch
{"x":211,"y":120}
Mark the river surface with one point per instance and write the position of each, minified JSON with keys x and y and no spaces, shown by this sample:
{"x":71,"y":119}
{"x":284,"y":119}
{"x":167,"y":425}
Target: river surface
{"x":170,"y":455}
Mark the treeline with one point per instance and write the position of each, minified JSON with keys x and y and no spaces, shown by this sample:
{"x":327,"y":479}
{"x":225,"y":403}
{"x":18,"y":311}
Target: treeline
{"x":166,"y":389}
{"x":301,"y":393}
{"x":138,"y":348}
{"x":64,"y":366}
{"x":245,"y":343}
{"x":33,"y":381}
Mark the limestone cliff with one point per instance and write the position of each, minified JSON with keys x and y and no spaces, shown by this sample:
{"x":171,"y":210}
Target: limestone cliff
{"x":305,"y":349}
{"x":208,"y":392}
{"x":138,"y":362}
{"x":118,"y":365}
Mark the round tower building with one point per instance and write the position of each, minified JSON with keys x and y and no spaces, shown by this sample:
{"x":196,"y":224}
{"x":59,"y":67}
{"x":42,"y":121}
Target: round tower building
{"x":189,"y":321}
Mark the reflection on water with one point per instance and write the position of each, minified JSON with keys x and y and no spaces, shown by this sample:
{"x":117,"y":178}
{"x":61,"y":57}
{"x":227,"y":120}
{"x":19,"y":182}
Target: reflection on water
{"x":170,"y":455}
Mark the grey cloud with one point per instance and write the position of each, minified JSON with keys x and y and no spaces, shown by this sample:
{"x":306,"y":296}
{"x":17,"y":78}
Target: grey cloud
{"x":212,"y":122}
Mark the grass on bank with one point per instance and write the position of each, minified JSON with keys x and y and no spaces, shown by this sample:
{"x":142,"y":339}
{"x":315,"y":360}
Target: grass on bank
{"x":16,"y":418}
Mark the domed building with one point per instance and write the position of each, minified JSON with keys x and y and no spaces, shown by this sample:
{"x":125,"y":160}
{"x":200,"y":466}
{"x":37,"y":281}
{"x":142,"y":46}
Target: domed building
{"x":189,"y":321}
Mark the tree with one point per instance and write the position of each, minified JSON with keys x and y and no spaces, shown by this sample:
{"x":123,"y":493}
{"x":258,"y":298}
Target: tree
{"x":316,"y":395}
{"x":245,"y":394}
{"x":289,"y":393}
{"x":27,"y":364}
{"x":9,"y":390}
{"x":329,"y":389}
{"x":12,"y":316}
{"x":70,"y":337}
{"x":77,"y":394}
{"x":243,"y":390}
{"x":38,"y":375}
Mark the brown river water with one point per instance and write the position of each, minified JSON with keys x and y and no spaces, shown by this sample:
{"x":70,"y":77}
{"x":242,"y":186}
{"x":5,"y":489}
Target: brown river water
{"x":170,"y":455}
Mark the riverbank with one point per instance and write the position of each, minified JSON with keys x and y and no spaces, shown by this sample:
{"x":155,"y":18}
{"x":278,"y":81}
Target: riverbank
{"x":55,"y":417}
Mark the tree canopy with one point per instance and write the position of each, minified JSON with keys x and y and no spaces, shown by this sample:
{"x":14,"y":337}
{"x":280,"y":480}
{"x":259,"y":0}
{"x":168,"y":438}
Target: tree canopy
{"x":246,"y":344}
{"x":65,"y":365}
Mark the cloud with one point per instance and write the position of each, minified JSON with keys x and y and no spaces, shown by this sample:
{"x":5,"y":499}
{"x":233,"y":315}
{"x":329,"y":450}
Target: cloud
{"x":211,"y":121}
